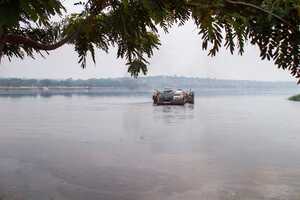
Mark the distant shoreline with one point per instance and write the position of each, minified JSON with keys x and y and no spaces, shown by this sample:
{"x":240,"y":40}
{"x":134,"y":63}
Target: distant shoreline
{"x":295,"y":98}
{"x":143,"y":86}
{"x":52,"y":87}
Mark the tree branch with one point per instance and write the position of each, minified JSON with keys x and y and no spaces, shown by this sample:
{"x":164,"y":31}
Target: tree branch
{"x":23,"y":40}
{"x":261,"y":9}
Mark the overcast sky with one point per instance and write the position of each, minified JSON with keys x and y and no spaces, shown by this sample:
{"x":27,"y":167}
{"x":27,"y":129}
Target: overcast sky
{"x":180,"y":54}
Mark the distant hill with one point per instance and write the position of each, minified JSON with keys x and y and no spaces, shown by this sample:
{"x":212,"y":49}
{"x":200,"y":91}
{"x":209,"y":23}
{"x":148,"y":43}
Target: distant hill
{"x":142,"y":82}
{"x":147,"y":84}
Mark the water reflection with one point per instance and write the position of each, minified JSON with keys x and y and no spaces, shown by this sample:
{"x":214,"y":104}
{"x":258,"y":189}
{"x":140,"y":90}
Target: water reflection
{"x":173,"y":114}
{"x":127,"y":149}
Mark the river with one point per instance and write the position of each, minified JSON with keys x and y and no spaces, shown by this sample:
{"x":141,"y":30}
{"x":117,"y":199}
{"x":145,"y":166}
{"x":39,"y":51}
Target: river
{"x":124,"y":148}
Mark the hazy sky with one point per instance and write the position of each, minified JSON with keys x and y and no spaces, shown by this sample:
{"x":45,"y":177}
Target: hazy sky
{"x":180,"y":54}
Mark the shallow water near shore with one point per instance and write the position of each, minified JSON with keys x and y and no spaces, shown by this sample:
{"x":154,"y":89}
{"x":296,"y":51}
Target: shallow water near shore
{"x":124,"y":148}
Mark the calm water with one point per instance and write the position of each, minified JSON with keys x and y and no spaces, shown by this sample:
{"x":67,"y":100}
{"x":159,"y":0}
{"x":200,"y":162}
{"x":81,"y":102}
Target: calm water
{"x":124,"y":148}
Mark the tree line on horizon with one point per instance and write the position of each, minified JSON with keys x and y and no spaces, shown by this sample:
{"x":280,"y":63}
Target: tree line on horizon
{"x":157,"y":82}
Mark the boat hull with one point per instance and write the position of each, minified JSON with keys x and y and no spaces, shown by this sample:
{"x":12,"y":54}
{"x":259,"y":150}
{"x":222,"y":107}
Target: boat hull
{"x":173,"y":97}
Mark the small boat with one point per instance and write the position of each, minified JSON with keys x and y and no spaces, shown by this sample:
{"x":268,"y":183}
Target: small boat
{"x":173,"y":97}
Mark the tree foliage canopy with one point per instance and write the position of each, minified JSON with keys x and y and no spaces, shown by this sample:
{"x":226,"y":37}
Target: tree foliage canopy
{"x":27,"y":28}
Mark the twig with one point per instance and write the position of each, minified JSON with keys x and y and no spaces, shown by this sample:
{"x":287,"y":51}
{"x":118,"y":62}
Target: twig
{"x":18,"y":40}
{"x":261,"y":9}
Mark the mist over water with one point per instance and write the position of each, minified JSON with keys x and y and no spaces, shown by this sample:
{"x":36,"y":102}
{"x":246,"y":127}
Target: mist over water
{"x":119,"y":147}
